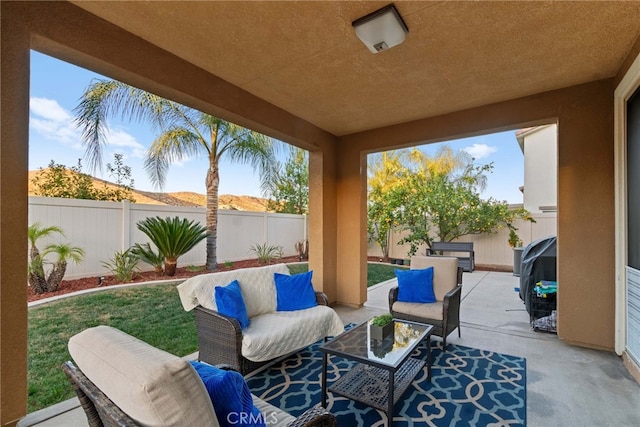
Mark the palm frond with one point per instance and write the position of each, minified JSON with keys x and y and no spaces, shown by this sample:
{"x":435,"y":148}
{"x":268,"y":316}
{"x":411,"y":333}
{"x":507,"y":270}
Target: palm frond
{"x":36,"y":231}
{"x":174,"y":144}
{"x":103,"y":99}
{"x":65,"y":252}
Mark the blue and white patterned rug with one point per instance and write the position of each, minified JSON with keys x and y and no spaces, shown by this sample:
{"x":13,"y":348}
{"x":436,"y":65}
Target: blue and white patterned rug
{"x":469,"y":387}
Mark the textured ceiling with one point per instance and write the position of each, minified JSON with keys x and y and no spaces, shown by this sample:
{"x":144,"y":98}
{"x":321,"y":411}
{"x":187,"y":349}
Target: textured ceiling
{"x":305,"y":58}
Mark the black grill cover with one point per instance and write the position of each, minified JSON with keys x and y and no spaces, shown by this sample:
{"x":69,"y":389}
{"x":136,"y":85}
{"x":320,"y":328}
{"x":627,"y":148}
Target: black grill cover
{"x":538,"y":263}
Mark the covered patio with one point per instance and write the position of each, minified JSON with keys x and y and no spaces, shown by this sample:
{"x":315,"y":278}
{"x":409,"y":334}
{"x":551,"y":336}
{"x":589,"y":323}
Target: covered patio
{"x":296,"y":71}
{"x":566,"y":385}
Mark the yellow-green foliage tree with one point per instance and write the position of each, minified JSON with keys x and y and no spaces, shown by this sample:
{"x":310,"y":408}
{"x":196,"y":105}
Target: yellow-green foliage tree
{"x":435,"y":198}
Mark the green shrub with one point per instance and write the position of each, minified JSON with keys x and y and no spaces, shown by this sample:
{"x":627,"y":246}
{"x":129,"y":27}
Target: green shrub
{"x":123,"y":265}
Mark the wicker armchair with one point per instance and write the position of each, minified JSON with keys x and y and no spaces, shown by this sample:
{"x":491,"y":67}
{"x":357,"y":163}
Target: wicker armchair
{"x":220,"y":339}
{"x":444,"y":314}
{"x":101,"y":411}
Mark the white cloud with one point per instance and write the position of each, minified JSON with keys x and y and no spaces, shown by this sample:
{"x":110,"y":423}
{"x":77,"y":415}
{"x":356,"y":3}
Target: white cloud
{"x":122,"y":139}
{"x":479,"y":151}
{"x":49,"y":109}
{"x":53,"y":122}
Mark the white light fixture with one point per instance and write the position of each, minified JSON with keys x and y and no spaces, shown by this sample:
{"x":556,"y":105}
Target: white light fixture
{"x":381,"y":29}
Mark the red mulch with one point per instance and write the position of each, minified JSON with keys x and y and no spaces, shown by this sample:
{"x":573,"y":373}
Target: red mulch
{"x":181,"y":273}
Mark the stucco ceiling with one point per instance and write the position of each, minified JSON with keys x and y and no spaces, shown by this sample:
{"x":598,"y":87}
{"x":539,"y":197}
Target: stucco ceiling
{"x":305,"y":58}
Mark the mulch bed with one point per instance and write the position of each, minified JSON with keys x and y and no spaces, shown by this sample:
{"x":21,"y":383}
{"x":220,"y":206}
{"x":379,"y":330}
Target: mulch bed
{"x":68,"y":286}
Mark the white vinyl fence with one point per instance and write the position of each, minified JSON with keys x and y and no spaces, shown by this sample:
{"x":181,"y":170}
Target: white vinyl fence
{"x":102,"y":228}
{"x":490,"y":249}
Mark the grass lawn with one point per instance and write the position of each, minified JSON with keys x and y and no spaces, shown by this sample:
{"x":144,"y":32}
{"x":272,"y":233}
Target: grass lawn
{"x":376,"y":273}
{"x":151,"y":313}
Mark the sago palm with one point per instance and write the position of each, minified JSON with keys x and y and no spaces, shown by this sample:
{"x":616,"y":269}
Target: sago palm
{"x":183,"y":132}
{"x":173,"y":237}
{"x":64,"y":253}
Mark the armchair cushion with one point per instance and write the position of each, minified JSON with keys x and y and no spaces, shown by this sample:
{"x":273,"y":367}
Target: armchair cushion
{"x":294,"y":292}
{"x":445,"y":272}
{"x":230,"y":395}
{"x":230,"y":303}
{"x":416,"y":285}
{"x":432,"y":311}
{"x":153,"y":387}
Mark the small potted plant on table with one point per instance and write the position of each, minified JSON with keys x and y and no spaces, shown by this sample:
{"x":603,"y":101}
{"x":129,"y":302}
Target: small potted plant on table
{"x":381,"y":326}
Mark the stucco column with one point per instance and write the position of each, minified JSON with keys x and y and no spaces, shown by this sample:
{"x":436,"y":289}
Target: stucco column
{"x":14,"y":122}
{"x":351,"y":255}
{"x":323,"y":220}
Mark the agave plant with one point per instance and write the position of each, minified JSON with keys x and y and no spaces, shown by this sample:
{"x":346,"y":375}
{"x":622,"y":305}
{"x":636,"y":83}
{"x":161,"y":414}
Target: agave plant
{"x":173,"y":237}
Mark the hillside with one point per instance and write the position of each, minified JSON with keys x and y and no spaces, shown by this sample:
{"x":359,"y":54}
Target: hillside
{"x":181,"y":198}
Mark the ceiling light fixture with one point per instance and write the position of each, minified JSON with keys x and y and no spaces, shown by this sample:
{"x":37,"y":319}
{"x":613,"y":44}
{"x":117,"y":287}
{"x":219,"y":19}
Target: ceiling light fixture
{"x":382,"y":29}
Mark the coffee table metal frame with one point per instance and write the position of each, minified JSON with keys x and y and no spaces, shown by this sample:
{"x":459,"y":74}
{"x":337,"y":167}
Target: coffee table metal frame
{"x":374,"y":381}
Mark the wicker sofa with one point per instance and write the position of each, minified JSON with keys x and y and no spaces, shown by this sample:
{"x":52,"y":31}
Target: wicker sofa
{"x":122,"y":381}
{"x":270,"y":334}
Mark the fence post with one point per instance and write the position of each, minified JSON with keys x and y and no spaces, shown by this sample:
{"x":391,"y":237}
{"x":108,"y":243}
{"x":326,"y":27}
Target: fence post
{"x":126,"y":225}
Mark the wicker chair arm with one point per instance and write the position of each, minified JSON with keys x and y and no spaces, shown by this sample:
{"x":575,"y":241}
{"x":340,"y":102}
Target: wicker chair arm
{"x":98,"y":408}
{"x":451,"y":305}
{"x":321,"y":298}
{"x":393,"y":297}
{"x":315,"y":417}
{"x":219,"y":338}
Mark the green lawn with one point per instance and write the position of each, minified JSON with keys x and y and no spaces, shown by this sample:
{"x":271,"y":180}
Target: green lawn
{"x":151,"y":313}
{"x":376,"y":273}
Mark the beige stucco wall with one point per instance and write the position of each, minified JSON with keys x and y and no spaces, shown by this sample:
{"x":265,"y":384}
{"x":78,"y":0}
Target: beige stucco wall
{"x":337,"y":172}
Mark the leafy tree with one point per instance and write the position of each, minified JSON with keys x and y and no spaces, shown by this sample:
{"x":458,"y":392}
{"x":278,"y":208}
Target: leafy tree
{"x":288,"y":190}
{"x":438,"y":206}
{"x":71,"y":183}
{"x":184,"y":132}
{"x":38,"y":280}
{"x":385,"y":171}
{"x":434,"y":198}
{"x":173,"y":237}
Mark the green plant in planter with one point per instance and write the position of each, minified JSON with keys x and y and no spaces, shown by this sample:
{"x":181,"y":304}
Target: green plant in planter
{"x":382,"y":320}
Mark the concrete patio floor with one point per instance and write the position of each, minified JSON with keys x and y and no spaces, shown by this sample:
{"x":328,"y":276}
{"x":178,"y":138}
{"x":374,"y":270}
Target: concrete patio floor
{"x":566,"y":385}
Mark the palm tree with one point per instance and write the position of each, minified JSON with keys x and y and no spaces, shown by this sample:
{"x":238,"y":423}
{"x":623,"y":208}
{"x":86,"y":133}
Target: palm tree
{"x":184,"y":132}
{"x":65,"y":253}
{"x":173,"y":237}
{"x":37,"y":279}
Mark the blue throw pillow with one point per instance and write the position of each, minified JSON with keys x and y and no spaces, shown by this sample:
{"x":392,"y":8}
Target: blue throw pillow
{"x":230,"y":396}
{"x":294,"y":292}
{"x":230,"y":303}
{"x":416,"y":285}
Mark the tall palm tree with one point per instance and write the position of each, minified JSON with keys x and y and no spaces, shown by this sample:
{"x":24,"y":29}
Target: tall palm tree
{"x":183,"y":132}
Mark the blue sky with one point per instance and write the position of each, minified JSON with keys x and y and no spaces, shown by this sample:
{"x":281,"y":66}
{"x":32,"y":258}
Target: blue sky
{"x":56,"y":87}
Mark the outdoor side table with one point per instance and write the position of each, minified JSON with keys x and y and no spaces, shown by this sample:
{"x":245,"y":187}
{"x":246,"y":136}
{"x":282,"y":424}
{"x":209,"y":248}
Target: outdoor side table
{"x":384,"y":370}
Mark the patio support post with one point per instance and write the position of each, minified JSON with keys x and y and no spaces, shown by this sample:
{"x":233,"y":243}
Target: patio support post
{"x":352,"y":225}
{"x":322,"y":220}
{"x":14,"y":119}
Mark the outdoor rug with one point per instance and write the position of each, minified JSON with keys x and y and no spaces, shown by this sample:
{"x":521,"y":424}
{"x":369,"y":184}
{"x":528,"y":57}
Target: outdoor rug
{"x":469,"y":387}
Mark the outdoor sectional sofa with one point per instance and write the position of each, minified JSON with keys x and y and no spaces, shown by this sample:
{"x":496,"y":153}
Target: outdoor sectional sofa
{"x":123,"y":381}
{"x":270,"y":334}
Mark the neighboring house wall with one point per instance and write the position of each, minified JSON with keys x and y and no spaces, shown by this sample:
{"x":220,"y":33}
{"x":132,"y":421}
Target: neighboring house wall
{"x":102,"y":228}
{"x":540,"y":148}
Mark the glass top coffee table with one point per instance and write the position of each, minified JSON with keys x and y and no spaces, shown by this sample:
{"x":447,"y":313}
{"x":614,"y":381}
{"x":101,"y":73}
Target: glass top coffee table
{"x":384,"y":370}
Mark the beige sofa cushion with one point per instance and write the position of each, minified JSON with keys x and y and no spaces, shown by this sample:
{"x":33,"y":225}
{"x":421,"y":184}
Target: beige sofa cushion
{"x":153,"y":387}
{"x":275,"y":334}
{"x":445,"y":272}
{"x":428,"y":311}
{"x":256,"y":284}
